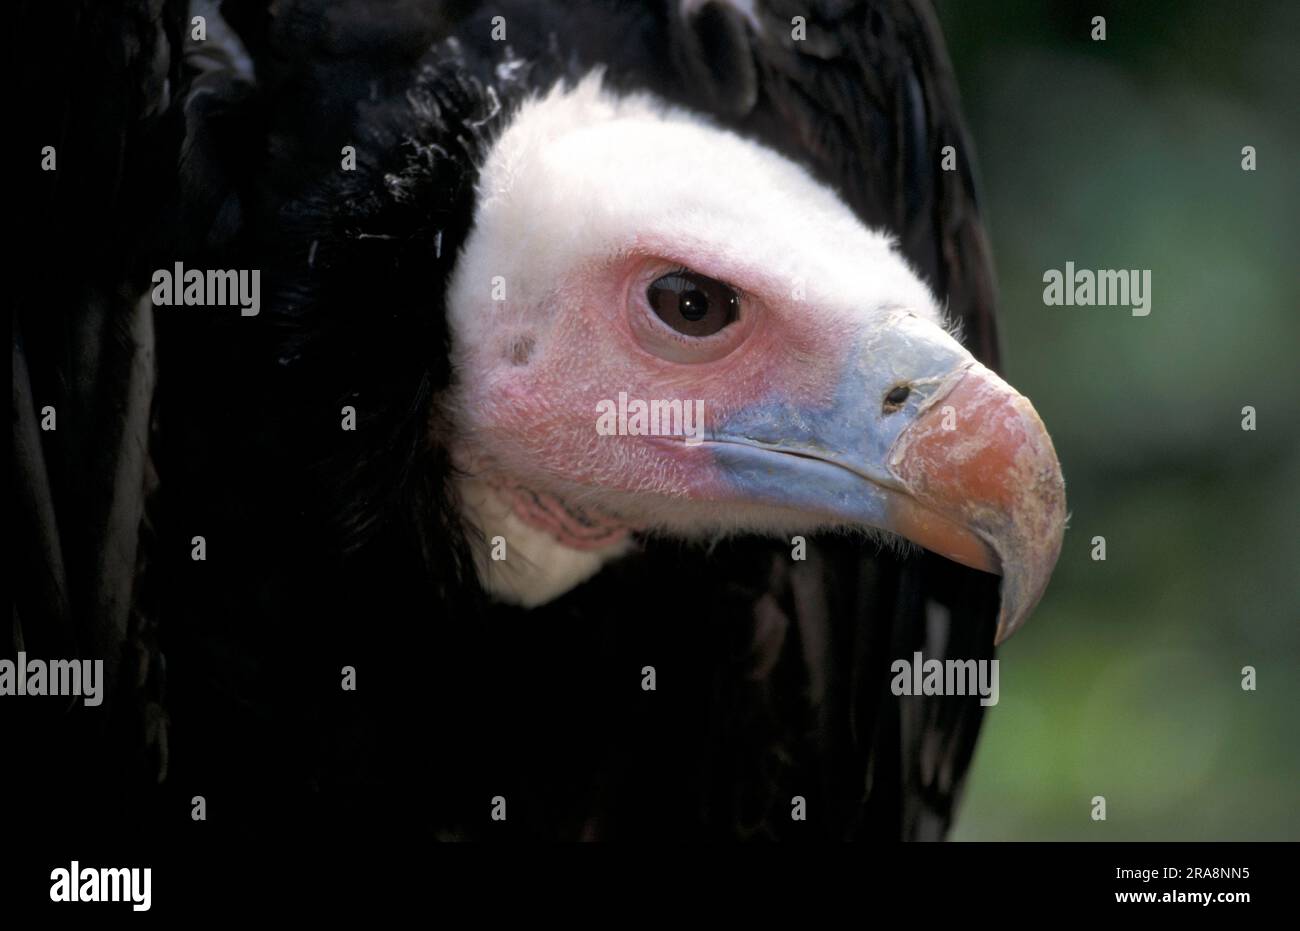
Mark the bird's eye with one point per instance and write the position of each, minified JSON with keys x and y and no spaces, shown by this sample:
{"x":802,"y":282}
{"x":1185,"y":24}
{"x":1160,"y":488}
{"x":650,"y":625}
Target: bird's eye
{"x":692,"y":304}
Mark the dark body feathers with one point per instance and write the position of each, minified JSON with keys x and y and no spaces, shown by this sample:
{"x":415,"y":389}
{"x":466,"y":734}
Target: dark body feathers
{"x":329,"y":548}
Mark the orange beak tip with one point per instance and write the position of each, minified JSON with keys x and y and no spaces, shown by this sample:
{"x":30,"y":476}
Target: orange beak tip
{"x":986,"y":488}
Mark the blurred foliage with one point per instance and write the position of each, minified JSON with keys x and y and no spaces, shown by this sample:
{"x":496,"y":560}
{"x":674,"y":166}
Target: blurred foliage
{"x":1127,"y":154}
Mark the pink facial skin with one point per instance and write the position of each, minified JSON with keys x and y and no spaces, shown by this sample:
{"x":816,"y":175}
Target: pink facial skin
{"x":538,"y":418}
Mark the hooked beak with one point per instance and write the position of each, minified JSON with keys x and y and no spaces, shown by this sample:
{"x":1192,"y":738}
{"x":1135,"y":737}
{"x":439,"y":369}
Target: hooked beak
{"x":983,"y":487}
{"x":963,"y":467}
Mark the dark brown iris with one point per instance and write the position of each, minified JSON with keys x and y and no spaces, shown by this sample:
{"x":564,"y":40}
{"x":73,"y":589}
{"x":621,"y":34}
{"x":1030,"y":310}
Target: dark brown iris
{"x":692,"y":304}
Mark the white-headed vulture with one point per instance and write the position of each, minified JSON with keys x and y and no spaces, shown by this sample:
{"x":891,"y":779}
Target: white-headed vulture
{"x":619,"y":403}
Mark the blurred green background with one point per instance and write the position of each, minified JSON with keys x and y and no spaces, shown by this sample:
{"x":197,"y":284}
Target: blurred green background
{"x":1127,"y":154}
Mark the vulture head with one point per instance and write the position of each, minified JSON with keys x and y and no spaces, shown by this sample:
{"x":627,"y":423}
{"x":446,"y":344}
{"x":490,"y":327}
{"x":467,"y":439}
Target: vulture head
{"x":659,"y":326}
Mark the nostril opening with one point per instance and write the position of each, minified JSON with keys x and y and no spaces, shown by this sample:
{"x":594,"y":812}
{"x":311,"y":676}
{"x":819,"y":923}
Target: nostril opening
{"x":895,"y":398}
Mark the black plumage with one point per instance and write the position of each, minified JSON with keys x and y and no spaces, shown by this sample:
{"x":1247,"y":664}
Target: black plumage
{"x":331,"y":548}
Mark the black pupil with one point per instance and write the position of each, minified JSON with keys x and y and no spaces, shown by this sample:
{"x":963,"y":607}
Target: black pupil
{"x":692,"y":304}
